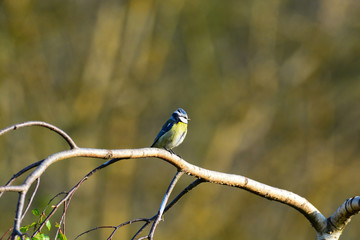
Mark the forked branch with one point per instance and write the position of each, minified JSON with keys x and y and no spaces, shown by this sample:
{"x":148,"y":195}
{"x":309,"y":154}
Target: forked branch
{"x":324,"y":227}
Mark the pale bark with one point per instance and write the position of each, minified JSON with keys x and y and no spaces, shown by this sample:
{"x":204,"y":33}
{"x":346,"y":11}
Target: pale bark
{"x":326,"y":229}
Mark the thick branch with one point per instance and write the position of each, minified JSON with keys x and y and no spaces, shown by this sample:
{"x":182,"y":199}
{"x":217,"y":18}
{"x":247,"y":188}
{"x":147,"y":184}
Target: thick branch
{"x":301,"y":204}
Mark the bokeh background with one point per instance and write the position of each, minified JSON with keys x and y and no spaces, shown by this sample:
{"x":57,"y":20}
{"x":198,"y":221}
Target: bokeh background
{"x":272,"y":88}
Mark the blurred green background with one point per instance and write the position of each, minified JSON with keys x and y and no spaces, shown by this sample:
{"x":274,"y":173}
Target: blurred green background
{"x":272,"y":88}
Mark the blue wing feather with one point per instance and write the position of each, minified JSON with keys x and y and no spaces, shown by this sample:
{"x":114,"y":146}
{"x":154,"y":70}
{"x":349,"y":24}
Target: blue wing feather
{"x":166,"y":127}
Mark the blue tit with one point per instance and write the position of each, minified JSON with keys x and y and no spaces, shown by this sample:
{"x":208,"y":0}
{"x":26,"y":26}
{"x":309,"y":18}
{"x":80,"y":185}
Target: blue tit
{"x":173,"y":132}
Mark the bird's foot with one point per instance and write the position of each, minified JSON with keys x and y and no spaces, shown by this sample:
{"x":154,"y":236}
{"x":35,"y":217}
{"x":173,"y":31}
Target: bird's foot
{"x":172,"y":152}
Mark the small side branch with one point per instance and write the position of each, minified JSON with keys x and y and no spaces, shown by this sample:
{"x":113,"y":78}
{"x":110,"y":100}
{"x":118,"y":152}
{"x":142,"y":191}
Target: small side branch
{"x":31,"y":198}
{"x":343,"y":214}
{"x":146,"y":220}
{"x":183,"y":192}
{"x":68,"y":196}
{"x":173,"y":202}
{"x":31,"y":166}
{"x":63,"y":134}
{"x":163,"y":203}
{"x":113,"y":227}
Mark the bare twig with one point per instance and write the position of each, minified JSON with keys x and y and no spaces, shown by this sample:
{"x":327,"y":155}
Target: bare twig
{"x":126,"y":223}
{"x":68,"y":195}
{"x":57,"y":130}
{"x":115,"y":227}
{"x":52,"y":199}
{"x":143,"y":227}
{"x":31,"y":198}
{"x":148,"y":220}
{"x":41,"y":124}
{"x":93,"y":229}
{"x":21,"y":172}
{"x":171,"y":204}
{"x":164,"y":202}
{"x":183,"y":192}
{"x":6,"y":233}
{"x":62,"y":220}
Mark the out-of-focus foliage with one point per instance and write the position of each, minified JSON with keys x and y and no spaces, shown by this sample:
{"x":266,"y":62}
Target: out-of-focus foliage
{"x":272,"y":88}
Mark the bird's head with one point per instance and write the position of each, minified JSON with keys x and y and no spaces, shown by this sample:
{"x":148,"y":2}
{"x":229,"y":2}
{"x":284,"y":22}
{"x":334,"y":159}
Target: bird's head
{"x":180,"y":115}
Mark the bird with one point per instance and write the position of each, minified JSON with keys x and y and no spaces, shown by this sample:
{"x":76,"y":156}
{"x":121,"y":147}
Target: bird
{"x":173,"y":132}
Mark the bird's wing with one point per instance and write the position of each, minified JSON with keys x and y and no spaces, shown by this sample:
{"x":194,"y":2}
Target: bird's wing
{"x":166,"y":127}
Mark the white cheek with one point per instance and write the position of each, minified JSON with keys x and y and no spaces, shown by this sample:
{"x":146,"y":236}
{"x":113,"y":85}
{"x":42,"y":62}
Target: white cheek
{"x":184,"y":120}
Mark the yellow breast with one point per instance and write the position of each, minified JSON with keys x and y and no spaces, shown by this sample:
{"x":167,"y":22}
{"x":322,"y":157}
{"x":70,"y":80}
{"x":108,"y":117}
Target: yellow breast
{"x":173,"y":137}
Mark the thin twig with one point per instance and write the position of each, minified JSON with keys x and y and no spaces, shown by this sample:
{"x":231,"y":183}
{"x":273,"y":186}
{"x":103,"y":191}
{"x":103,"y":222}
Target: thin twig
{"x":67,"y":198}
{"x":52,"y":199}
{"x":115,"y":227}
{"x":21,"y":172}
{"x":183,"y":192}
{"x":63,"y":134}
{"x":127,"y":223}
{"x":93,"y":229}
{"x":163,"y":203}
{"x":8,"y":231}
{"x":149,"y":220}
{"x":171,"y":204}
{"x":65,"y":209}
{"x":62,"y":220}
{"x":143,"y":227}
{"x":55,"y":207}
{"x":31,"y":198}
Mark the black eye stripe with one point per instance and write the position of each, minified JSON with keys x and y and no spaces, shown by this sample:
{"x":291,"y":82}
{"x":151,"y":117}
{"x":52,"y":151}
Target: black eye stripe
{"x":181,"y":111}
